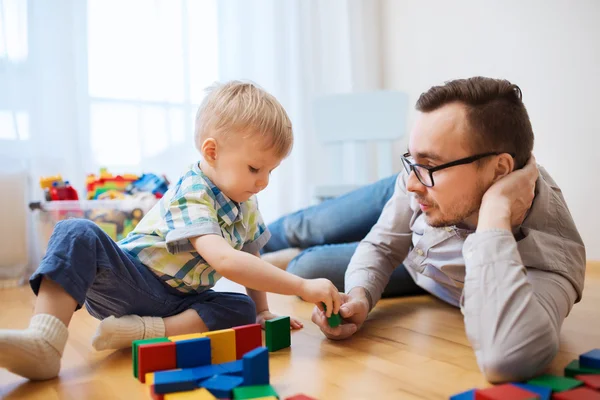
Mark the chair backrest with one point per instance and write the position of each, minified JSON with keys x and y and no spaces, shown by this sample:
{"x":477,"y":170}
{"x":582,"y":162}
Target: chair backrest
{"x":356,"y":119}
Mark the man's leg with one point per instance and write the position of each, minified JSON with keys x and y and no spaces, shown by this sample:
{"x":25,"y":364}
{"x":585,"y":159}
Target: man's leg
{"x":331,"y":262}
{"x":345,"y":219}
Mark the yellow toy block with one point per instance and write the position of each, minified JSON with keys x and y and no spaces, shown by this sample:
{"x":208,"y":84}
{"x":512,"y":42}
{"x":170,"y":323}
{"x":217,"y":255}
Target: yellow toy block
{"x":198,"y":394}
{"x":150,"y":378}
{"x":222,"y":345}
{"x":189,"y":336}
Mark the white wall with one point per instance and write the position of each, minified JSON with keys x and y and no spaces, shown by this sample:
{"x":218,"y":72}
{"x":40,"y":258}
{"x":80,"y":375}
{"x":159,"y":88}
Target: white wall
{"x":550,"y":48}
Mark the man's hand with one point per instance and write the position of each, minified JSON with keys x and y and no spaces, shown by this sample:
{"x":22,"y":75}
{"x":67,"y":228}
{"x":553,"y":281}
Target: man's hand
{"x":506,"y":202}
{"x":354,"y":311}
{"x":267,"y":315}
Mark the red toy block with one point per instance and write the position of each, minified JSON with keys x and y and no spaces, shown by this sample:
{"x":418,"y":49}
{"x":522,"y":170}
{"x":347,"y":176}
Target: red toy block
{"x":156,"y":357}
{"x":506,"y":391}
{"x":247,"y":337}
{"x":592,"y":381}
{"x":300,"y":397}
{"x":581,"y":393}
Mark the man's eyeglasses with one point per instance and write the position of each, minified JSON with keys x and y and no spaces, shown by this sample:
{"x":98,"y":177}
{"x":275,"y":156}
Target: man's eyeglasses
{"x":424,"y":173}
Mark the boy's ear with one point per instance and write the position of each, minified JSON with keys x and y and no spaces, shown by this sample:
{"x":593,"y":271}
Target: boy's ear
{"x":209,"y":150}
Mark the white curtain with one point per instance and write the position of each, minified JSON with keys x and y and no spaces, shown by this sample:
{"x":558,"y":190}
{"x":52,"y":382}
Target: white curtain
{"x":115,"y":83}
{"x":298,"y":49}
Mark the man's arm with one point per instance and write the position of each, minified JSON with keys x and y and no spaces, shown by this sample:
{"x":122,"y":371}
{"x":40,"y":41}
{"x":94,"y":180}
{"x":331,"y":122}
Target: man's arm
{"x":512,"y":314}
{"x":383,"y":249}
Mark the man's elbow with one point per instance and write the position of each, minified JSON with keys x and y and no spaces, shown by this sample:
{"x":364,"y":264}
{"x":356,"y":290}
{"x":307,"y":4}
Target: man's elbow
{"x":501,"y":364}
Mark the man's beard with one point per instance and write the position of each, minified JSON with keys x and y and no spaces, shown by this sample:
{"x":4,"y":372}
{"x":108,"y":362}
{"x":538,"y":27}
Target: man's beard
{"x":462,"y":210}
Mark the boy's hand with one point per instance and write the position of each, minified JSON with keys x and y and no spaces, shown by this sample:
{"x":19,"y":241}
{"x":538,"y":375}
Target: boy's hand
{"x":321,"y":290}
{"x":267,"y":315}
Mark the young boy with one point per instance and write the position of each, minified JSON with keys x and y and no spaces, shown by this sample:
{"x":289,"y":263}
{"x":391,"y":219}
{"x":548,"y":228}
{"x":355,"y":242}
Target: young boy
{"x":156,"y":282}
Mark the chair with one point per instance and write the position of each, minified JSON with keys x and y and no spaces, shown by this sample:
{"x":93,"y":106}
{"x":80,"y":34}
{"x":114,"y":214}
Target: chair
{"x":351,"y":121}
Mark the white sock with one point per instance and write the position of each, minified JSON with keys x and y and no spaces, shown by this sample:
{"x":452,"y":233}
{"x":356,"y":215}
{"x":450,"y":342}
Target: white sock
{"x":118,"y":333}
{"x":35,"y":352}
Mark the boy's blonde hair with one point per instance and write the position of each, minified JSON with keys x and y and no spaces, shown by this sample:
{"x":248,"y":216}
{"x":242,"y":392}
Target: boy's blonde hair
{"x":248,"y":109}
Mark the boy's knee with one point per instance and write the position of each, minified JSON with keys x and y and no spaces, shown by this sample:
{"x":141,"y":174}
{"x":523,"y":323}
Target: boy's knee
{"x":247,"y":312}
{"x":77,"y":226}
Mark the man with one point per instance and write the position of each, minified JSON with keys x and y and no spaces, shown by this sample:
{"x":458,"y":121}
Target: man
{"x":476,"y":224}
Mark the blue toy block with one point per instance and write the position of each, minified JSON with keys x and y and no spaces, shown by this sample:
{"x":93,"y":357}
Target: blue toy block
{"x":233,"y":367}
{"x":221,"y":386}
{"x":193,"y":353}
{"x":544,"y":392}
{"x":468,"y":395}
{"x":591,"y":359}
{"x":256,"y":367}
{"x":174,"y":381}
{"x":206,"y":371}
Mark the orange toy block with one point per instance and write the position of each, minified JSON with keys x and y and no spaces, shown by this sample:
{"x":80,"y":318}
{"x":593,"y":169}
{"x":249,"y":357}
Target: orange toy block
{"x":188,"y":336}
{"x":247,"y":337}
{"x":156,"y":357}
{"x":222,"y":345}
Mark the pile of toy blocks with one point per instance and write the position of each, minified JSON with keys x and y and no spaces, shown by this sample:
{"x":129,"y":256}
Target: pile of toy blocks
{"x":224,"y":364}
{"x":581,"y":381}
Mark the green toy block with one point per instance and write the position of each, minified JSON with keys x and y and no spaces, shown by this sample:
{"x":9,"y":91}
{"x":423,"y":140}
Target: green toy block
{"x":278,"y":335}
{"x":335,"y":319}
{"x":556,"y":383}
{"x":575,"y":369}
{"x":134,"y":350}
{"x":254,"y":392}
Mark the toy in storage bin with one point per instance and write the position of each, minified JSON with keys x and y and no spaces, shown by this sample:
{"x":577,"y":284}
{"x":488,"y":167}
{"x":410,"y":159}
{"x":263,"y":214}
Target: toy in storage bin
{"x":115,"y":217}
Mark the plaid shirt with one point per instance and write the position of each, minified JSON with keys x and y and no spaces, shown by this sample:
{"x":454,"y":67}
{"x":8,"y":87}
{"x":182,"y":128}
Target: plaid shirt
{"x":193,"y":207}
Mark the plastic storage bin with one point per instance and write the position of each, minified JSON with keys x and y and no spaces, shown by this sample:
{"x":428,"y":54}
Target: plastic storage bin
{"x":116,"y":217}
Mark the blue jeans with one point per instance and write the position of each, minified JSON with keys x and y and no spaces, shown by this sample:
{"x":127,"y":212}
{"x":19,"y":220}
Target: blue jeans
{"x":94,"y":270}
{"x":330,"y":232}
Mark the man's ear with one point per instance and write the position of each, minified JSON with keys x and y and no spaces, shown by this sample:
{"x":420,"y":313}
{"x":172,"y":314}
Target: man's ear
{"x":504,"y":165}
{"x":209,"y":151}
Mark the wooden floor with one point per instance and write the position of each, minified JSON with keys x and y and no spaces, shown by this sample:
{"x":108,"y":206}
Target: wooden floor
{"x":411,"y":348}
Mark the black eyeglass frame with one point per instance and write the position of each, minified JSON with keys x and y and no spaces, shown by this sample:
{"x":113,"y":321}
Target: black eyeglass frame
{"x":408,"y":166}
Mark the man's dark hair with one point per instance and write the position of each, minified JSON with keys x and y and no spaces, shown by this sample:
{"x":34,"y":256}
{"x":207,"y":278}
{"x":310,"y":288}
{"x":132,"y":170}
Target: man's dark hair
{"x":495,"y":113}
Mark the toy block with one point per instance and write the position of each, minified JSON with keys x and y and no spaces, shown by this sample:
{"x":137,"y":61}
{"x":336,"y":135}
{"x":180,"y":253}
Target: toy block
{"x":575,"y":368}
{"x":247,"y":337}
{"x":591,"y":359}
{"x":278,"y":334}
{"x":468,"y":395}
{"x":221,"y":386}
{"x":233,"y":367}
{"x":156,"y":357}
{"x":335,"y":320}
{"x":299,"y":397}
{"x":254,"y":392}
{"x":222,"y":345}
{"x":149,"y":378}
{"x":506,"y":391}
{"x":256,"y":367}
{"x":582,"y":393}
{"x":134,"y":350}
{"x":592,"y":381}
{"x":198,"y":394}
{"x":545,"y":393}
{"x":556,"y":383}
{"x":154,"y":395}
{"x":188,"y":336}
{"x":193,"y":352}
{"x":174,"y":381}
{"x":206,"y":371}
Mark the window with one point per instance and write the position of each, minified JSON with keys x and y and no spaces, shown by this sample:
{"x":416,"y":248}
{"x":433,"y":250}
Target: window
{"x":148,"y":65}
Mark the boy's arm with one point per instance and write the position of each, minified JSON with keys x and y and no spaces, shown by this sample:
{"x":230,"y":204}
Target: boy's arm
{"x":252,"y":272}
